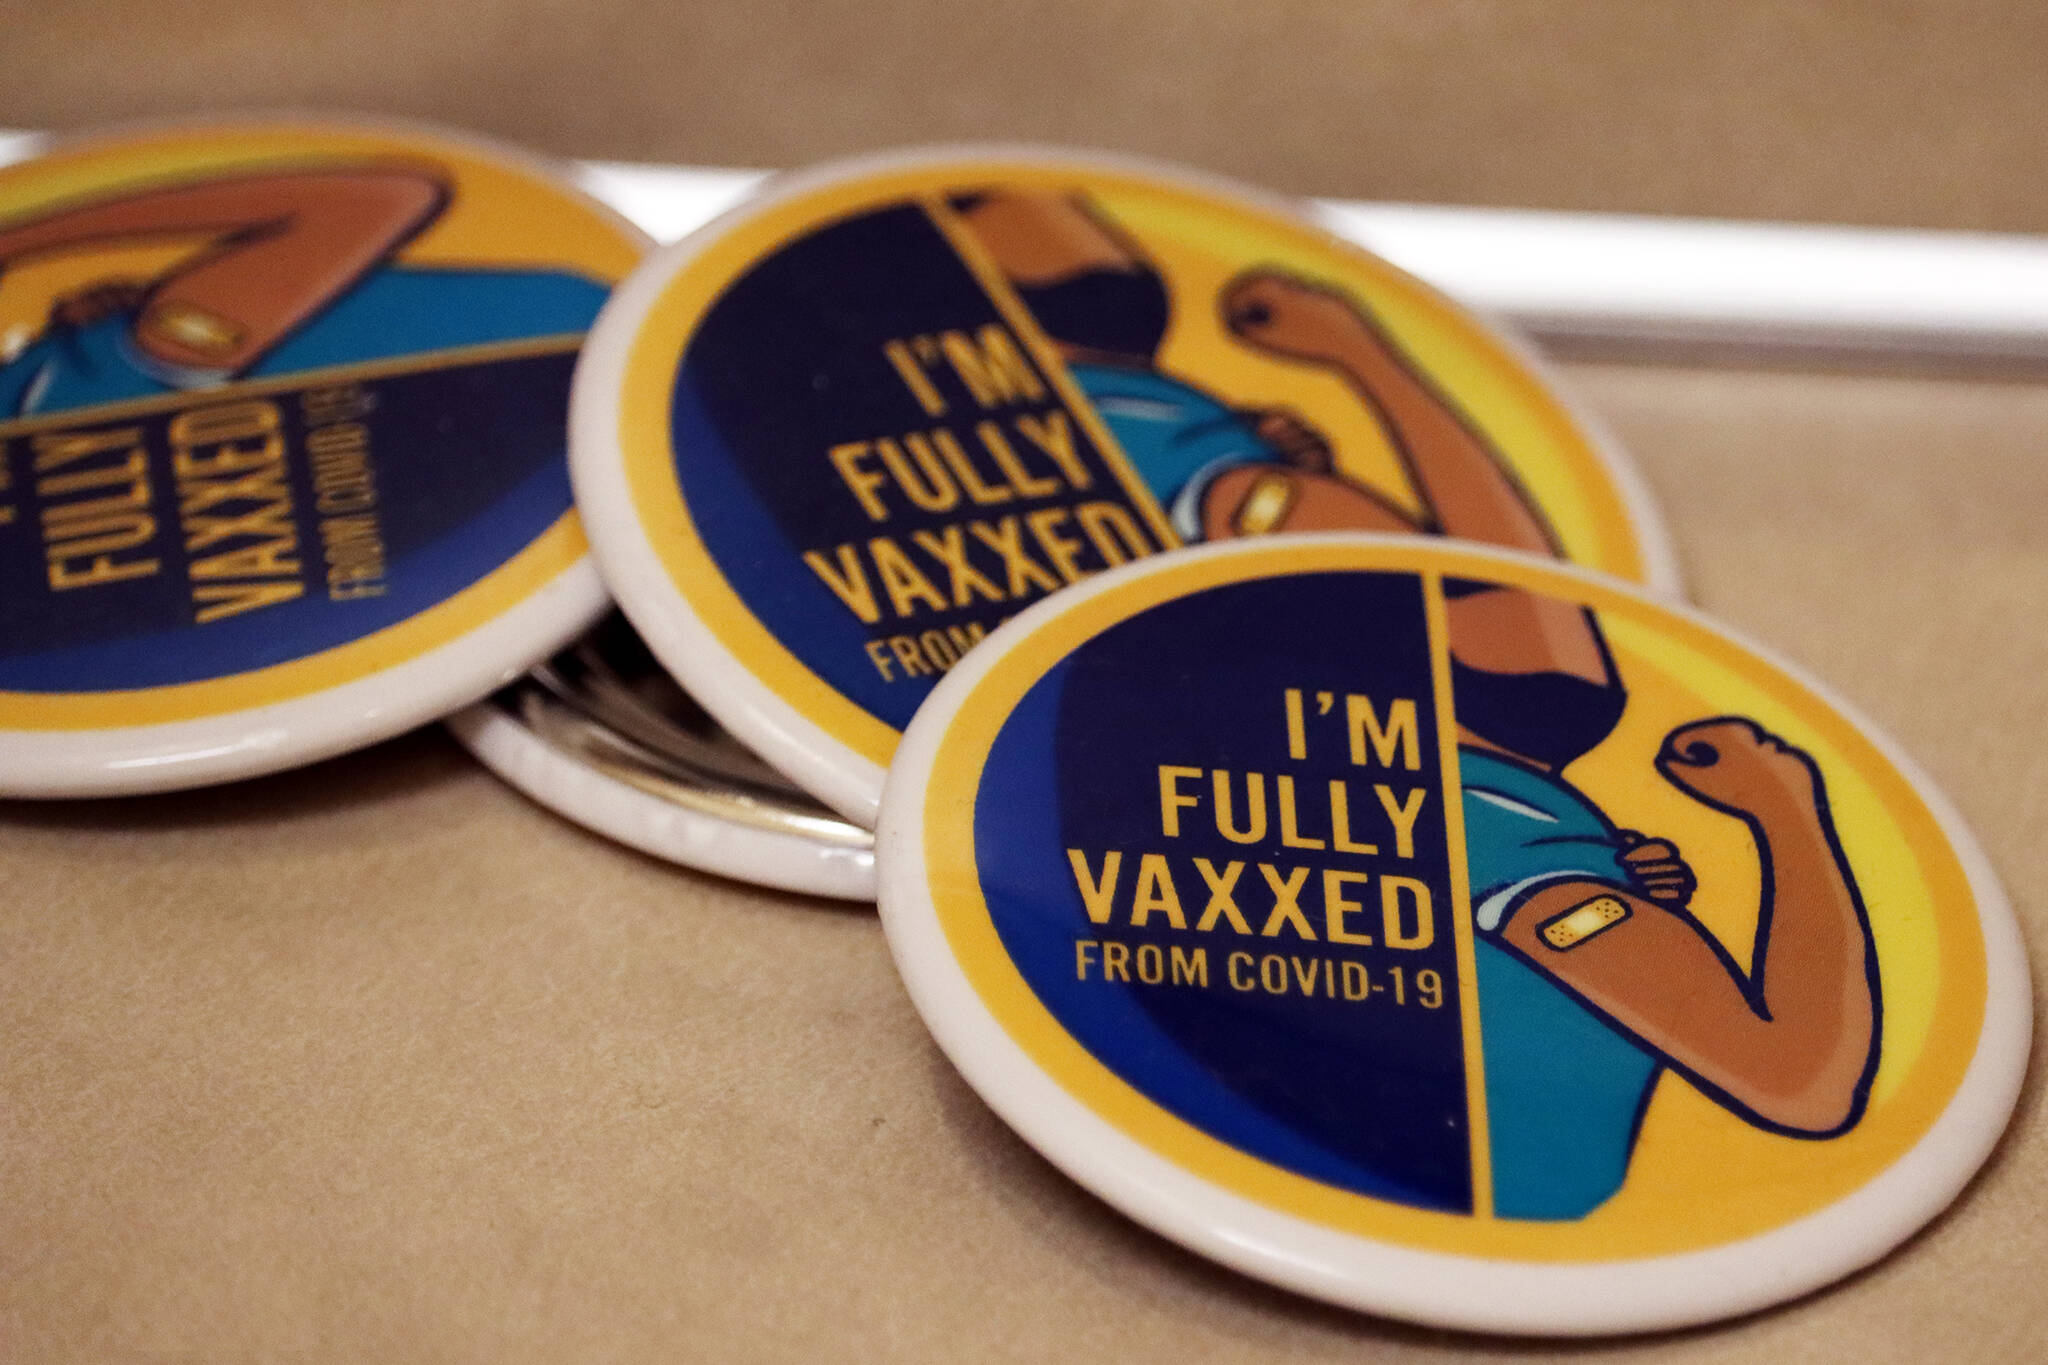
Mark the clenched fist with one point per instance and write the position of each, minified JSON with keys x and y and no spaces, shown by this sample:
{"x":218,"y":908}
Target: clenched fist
{"x":1736,"y":765}
{"x":1290,"y":317}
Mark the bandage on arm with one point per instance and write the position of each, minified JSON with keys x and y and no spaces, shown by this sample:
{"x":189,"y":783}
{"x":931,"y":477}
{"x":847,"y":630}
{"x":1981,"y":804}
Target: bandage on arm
{"x":1790,"y":1043}
{"x":272,"y":250}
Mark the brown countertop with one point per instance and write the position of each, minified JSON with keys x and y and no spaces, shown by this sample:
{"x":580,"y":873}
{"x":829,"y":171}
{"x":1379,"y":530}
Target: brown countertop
{"x":380,"y":1061}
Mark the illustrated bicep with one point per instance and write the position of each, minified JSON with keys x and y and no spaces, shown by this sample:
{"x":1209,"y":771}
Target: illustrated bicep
{"x":314,"y":236}
{"x":1652,"y":971}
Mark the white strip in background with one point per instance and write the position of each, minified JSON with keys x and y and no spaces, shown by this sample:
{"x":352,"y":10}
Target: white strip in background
{"x":1605,"y":279}
{"x":1627,"y":279}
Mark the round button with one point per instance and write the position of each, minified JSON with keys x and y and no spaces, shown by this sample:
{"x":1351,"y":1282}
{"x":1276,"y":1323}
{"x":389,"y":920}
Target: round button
{"x":602,"y":736}
{"x":283,"y":419}
{"x":834,"y":438}
{"x":1453,"y":935}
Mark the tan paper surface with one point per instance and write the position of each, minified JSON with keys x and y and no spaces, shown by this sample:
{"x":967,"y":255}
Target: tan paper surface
{"x":378,"y":1061}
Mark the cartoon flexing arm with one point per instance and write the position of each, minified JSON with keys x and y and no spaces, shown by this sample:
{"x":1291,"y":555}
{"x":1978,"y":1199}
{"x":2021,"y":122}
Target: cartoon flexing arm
{"x":277,"y":248}
{"x":1467,"y":487}
{"x":1790,"y":1044}
{"x":1090,"y":286}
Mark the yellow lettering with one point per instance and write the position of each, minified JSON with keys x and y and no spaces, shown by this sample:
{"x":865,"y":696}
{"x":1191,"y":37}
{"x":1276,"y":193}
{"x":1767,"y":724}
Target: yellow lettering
{"x":984,"y":494}
{"x":1402,"y":816}
{"x":1055,"y":437}
{"x":54,"y":450}
{"x":1063,"y":551}
{"x":1286,"y":903}
{"x":1156,"y":891}
{"x":133,"y":471}
{"x":217,"y":601}
{"x":69,"y":520}
{"x":1336,"y":906}
{"x":215,"y":462}
{"x":1297,"y":731}
{"x":355,"y":555}
{"x":1005,"y":456}
{"x":901,"y":579}
{"x":860,"y":481}
{"x":94,"y":535}
{"x":933,"y":491}
{"x":1222,"y":903}
{"x":1290,"y":835}
{"x":949,"y":547}
{"x":1113,"y":533}
{"x":1171,"y":802}
{"x":1006,"y":539}
{"x":1399,"y":733}
{"x":1238,"y":967}
{"x":225,"y":422}
{"x":271,"y":520}
{"x":1254,"y":803}
{"x":991,"y":366}
{"x":1392,"y":891}
{"x":1096,"y":892}
{"x":849,"y":582}
{"x":99,"y":569}
{"x":912,"y":662}
{"x":272,"y":559}
{"x":1340,"y":821}
{"x":913,"y":376}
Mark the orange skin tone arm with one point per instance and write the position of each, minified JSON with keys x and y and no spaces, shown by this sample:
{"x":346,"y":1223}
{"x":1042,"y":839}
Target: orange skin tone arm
{"x":1793,"y":1043}
{"x":1465,"y":484}
{"x":1036,"y":237}
{"x":280,"y":246}
{"x":1040,"y":236}
{"x":1790,"y":1045}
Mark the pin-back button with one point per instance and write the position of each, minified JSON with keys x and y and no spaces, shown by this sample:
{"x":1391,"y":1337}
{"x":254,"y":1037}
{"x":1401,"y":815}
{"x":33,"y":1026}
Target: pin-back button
{"x":283,"y":409}
{"x":602,"y":736}
{"x":1452,"y":934}
{"x":832,"y":439}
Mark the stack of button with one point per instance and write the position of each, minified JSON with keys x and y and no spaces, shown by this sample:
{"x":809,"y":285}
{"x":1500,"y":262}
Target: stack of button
{"x":1304,"y":813}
